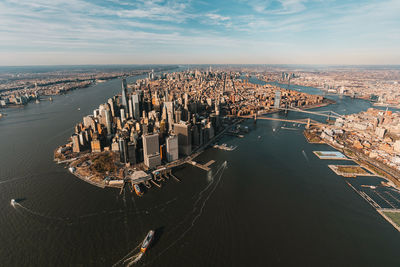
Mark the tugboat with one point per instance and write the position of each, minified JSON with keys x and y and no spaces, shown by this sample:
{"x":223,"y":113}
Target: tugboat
{"x":137,"y":189}
{"x":147,"y":241}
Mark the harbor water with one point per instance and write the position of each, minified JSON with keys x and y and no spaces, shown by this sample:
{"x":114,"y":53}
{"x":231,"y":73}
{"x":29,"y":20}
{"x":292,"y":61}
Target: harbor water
{"x":273,"y":202}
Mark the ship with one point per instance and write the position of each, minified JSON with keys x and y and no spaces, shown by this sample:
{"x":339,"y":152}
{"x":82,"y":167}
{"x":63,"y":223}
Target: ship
{"x":13,"y":202}
{"x":137,"y":189}
{"x":147,"y":241}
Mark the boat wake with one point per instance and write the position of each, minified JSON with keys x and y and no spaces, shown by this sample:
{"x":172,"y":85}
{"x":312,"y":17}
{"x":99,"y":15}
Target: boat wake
{"x":305,"y":155}
{"x":128,"y":259}
{"x":16,"y":205}
{"x":134,"y":259}
{"x":198,"y":207}
{"x":14,"y":179}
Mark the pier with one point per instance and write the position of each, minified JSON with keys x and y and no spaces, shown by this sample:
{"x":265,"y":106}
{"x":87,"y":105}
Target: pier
{"x":202,"y":166}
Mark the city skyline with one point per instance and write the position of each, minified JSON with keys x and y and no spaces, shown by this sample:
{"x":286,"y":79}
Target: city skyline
{"x":178,"y":32}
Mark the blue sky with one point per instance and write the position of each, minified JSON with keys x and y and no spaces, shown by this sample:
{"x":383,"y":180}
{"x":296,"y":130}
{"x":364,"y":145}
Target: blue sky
{"x":35,"y":32}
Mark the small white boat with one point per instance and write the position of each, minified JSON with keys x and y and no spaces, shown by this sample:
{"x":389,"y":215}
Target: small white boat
{"x":13,"y":202}
{"x":147,"y":241}
{"x":138,"y":190}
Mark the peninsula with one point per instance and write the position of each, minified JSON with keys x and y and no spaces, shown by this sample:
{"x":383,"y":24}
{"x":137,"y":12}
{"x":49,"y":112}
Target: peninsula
{"x":164,"y":121}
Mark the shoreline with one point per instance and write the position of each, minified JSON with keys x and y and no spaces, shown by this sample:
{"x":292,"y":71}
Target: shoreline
{"x":101,"y":177}
{"x":169,"y":165}
{"x":372,"y":167}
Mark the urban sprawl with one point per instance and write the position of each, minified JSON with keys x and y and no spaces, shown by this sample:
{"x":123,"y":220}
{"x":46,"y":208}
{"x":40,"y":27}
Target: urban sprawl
{"x":159,"y":122}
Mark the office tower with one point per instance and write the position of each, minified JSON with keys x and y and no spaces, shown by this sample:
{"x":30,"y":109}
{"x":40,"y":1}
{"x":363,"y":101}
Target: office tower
{"x":172,"y":148}
{"x":132,"y":152}
{"x":182,"y":130}
{"x":76,"y":147}
{"x":109,"y":120}
{"x":151,"y":150}
{"x":123,"y":151}
{"x":122,"y":115}
{"x":82,"y":138}
{"x":277,"y":101}
{"x":170,"y":111}
{"x":111,"y":103}
{"x":88,"y":121}
{"x":178,"y":116}
{"x":106,"y":118}
{"x":95,"y":145}
{"x":130,"y":105}
{"x":135,"y":106}
{"x":123,"y":95}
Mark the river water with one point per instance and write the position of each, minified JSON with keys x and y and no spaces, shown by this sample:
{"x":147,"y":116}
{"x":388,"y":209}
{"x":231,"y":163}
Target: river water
{"x":274,"y":203}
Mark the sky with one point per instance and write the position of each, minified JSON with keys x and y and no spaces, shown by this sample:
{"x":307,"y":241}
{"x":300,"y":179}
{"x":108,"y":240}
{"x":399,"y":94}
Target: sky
{"x":54,"y":32}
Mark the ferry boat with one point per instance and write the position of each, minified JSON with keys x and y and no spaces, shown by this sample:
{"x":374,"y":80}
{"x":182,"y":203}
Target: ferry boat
{"x":137,"y":189}
{"x":147,"y":241}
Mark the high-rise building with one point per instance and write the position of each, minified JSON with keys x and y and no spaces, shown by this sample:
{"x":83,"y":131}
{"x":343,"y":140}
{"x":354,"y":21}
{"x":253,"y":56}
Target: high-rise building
{"x":123,"y":116}
{"x":135,"y":106}
{"x":182,"y":130}
{"x":111,"y":103}
{"x":178,"y":116}
{"x":106,"y":118}
{"x":277,"y":101}
{"x":124,"y":93}
{"x":123,"y":151}
{"x":132,"y":153}
{"x":172,"y":148}
{"x":95,"y":145}
{"x":151,"y":150}
{"x":76,"y":147}
{"x":130,"y":108}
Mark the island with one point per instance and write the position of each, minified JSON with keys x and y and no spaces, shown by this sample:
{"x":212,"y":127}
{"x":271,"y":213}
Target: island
{"x":137,"y":137}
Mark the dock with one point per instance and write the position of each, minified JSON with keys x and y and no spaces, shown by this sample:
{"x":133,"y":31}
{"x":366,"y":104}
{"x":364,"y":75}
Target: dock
{"x":202,"y":166}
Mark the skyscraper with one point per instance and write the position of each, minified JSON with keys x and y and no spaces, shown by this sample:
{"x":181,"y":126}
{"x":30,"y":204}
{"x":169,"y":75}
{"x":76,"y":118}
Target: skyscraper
{"x":130,"y":104}
{"x":135,"y":106}
{"x":182,"y":130}
{"x":277,"y":101}
{"x":151,"y":150}
{"x":172,"y":148}
{"x":123,"y":151}
{"x":123,"y":95}
{"x":123,"y":116}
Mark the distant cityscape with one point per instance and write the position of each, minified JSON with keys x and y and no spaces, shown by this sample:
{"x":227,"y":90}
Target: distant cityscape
{"x":19,"y":88}
{"x":382,"y":86}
